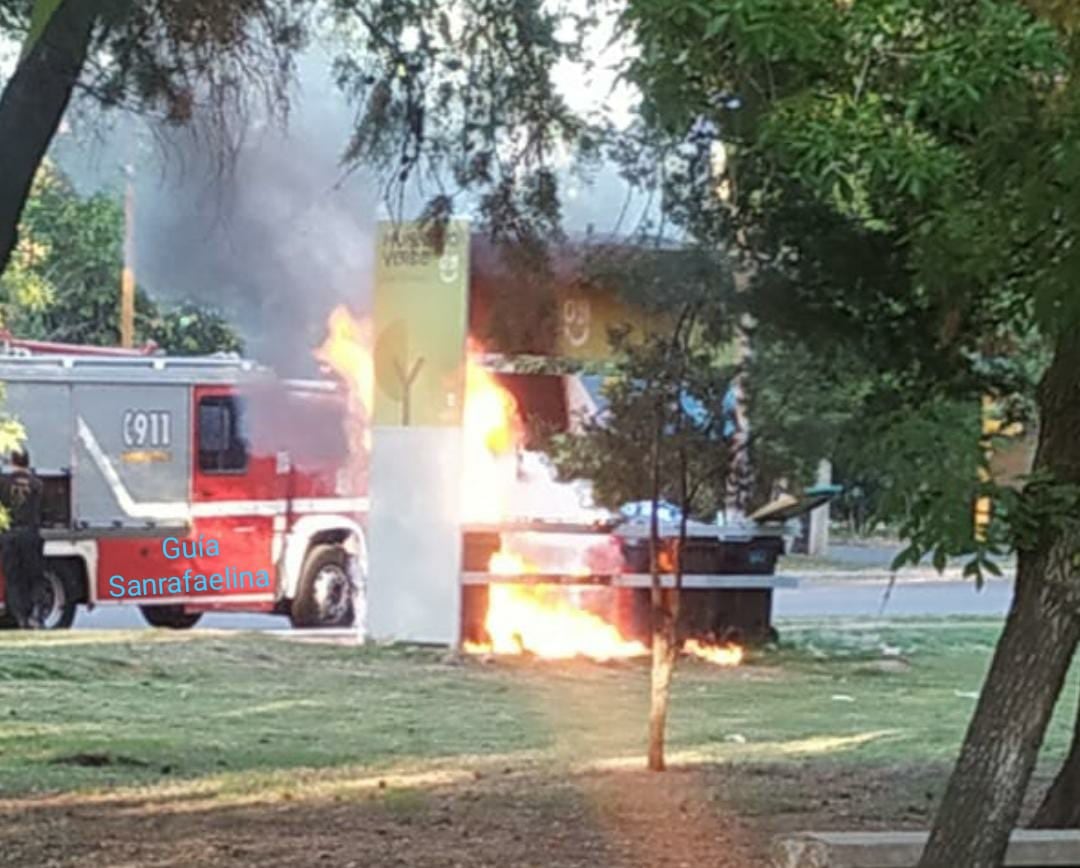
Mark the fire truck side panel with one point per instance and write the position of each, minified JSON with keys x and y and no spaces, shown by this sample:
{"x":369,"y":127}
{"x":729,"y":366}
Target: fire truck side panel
{"x":315,"y":437}
{"x":233,"y":498}
{"x":132,"y":455}
{"x":144,"y":558}
{"x":44,"y":409}
{"x":236,"y":445}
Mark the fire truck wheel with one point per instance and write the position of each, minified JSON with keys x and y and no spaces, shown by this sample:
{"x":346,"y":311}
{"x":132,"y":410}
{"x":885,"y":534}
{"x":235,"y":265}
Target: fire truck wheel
{"x":324,"y":598}
{"x":55,"y":598}
{"x":173,"y":617}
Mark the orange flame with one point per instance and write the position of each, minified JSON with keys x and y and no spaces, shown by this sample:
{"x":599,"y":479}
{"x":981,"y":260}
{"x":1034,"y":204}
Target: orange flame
{"x":493,"y":434}
{"x":347,"y":351}
{"x":507,"y":564}
{"x":722,"y":655}
{"x":491,"y":413}
{"x":543,"y":621}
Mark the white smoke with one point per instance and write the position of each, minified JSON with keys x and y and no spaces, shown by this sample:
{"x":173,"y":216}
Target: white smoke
{"x":275,"y":242}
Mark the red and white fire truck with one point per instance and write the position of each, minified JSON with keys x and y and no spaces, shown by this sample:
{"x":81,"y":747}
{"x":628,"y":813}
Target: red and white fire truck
{"x":137,"y":450}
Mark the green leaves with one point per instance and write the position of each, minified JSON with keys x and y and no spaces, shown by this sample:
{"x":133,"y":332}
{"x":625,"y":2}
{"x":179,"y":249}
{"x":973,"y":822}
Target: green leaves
{"x":63,"y":283}
{"x":188,"y":330}
{"x":908,"y":185}
{"x":855,"y":154}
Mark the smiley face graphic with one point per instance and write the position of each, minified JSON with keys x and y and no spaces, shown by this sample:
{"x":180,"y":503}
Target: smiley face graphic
{"x":577,"y":320}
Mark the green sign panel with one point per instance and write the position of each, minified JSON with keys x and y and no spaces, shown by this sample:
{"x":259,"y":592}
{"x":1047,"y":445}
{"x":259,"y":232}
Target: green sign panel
{"x":421,"y":321}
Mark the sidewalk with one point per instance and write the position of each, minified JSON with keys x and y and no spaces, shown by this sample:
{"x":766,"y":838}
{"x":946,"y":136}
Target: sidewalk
{"x":872,"y":563}
{"x":921,"y":575}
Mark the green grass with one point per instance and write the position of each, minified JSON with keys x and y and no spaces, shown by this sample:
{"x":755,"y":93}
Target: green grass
{"x":237,"y":713}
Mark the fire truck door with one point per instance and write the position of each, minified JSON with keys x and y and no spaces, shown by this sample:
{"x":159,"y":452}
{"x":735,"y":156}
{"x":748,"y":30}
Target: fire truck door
{"x":238,"y":498}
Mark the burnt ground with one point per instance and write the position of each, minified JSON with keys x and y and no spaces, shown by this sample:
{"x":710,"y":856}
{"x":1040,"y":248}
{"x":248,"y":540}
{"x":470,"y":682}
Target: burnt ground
{"x":719,"y":815}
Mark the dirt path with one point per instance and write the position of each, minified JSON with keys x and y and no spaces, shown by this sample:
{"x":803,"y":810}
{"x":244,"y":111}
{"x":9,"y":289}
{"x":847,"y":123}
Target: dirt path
{"x":721,"y":816}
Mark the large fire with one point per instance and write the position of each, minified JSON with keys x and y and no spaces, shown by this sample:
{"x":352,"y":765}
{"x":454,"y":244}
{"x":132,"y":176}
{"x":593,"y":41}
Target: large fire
{"x":347,"y":351}
{"x":544,"y":620}
{"x":493,"y":433}
{"x":547,"y":621}
{"x":491,"y":418}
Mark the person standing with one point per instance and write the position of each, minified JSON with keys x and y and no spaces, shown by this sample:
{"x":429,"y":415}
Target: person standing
{"x":21,"y":545}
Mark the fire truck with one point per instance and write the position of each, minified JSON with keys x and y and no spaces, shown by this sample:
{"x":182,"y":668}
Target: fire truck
{"x":147,"y":459}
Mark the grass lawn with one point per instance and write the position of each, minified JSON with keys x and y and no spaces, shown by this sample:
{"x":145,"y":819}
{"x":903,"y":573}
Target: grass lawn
{"x":224,"y":722}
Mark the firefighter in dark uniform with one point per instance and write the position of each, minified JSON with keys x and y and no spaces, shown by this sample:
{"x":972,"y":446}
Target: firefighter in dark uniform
{"x":21,"y":546}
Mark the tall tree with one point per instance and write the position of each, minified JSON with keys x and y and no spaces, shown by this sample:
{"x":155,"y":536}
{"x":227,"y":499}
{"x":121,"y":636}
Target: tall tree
{"x":177,"y":60}
{"x":33,"y":102}
{"x":1060,"y":807}
{"x":61,"y":284}
{"x":666,"y":413}
{"x":904,"y":177}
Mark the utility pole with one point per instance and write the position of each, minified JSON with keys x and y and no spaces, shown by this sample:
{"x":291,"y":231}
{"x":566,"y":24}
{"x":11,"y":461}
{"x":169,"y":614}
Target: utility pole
{"x":127,"y":276}
{"x":740,"y":470}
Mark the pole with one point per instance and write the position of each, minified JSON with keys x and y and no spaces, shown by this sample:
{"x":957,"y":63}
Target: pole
{"x":740,"y":470}
{"x":817,"y":543}
{"x":127,"y":277}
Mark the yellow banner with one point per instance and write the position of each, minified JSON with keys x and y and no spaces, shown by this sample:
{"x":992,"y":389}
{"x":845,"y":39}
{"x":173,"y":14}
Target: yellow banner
{"x":585,"y":319}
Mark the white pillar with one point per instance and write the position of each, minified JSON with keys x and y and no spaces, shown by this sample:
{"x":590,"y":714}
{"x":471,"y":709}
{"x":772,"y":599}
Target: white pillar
{"x":414,"y":533}
{"x":415,"y":479}
{"x":817,"y":543}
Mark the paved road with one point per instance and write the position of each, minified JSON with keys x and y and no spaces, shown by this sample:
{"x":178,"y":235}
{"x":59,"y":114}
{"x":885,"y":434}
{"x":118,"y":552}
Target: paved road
{"x":813,"y":599}
{"x":855,"y":598}
{"x":878,"y":555}
{"x":129,"y":617}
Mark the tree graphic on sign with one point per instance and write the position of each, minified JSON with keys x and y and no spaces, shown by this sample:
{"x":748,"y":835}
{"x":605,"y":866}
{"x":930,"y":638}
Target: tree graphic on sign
{"x":395,"y":374}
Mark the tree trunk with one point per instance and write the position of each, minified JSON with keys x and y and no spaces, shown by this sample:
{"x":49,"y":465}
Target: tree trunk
{"x":32,"y":105}
{"x":666,"y":640}
{"x":660,"y":675}
{"x":1061,"y":807}
{"x":983,"y":797}
{"x":665,"y":649}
